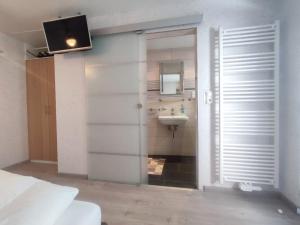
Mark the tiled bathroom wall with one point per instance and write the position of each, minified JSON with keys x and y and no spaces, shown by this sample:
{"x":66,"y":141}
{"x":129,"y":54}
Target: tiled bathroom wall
{"x":160,"y":138}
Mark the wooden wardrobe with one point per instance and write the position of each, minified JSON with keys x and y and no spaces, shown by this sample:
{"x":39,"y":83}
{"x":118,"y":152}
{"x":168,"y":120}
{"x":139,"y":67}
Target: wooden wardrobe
{"x":41,"y":109}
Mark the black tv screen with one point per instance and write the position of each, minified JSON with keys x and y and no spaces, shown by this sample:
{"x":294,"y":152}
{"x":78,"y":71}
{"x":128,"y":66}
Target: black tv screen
{"x":67,"y":34}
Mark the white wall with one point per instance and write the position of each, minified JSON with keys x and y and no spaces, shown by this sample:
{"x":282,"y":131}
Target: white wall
{"x":230,"y":13}
{"x":13,"y":108}
{"x":227,"y":12}
{"x":290,"y":101}
{"x":71,"y":113}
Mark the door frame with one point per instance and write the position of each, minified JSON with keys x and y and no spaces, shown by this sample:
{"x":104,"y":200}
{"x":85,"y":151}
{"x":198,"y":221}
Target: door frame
{"x":198,"y":153}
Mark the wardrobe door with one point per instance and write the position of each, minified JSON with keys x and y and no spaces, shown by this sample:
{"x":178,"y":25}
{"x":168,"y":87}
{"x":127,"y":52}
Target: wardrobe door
{"x":51,"y":110}
{"x":41,"y":109}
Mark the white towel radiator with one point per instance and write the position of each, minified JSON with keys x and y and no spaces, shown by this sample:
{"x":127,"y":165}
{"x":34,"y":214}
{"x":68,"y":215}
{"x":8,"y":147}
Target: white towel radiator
{"x":248,"y":105}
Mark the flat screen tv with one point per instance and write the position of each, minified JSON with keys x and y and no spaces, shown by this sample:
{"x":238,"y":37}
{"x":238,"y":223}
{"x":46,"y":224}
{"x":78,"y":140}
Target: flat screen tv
{"x":67,"y":34}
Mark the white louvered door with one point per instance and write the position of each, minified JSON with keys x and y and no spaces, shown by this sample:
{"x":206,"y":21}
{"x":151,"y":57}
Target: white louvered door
{"x":248,"y":105}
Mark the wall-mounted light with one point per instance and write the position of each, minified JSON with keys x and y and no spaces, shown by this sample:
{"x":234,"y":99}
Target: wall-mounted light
{"x":71,"y":42}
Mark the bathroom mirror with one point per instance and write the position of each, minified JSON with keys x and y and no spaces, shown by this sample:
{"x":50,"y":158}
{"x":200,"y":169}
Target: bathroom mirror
{"x":171,"y":78}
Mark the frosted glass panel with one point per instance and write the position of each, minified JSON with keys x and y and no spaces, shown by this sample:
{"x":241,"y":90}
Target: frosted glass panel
{"x":116,"y":86}
{"x":115,"y":49}
{"x":113,"y":109}
{"x":117,"y":168}
{"x":144,"y":150}
{"x":114,"y":139}
{"x":143,"y":113}
{"x":103,"y":79}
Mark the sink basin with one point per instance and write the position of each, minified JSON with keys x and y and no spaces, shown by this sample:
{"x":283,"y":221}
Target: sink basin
{"x":173,"y":120}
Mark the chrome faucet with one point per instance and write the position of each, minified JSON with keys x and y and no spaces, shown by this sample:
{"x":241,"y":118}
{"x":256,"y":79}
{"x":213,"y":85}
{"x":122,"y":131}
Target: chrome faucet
{"x":162,"y":109}
{"x":172,"y":111}
{"x":182,"y":108}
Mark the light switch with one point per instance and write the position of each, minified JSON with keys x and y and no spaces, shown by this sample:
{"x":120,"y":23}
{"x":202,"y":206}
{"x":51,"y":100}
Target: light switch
{"x":208,"y":97}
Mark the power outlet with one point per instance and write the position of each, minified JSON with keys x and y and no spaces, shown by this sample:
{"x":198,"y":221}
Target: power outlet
{"x":298,"y":211}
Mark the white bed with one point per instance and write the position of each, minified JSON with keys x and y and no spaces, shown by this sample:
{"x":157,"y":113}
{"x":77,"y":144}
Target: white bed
{"x":81,"y":213}
{"x":30,"y":201}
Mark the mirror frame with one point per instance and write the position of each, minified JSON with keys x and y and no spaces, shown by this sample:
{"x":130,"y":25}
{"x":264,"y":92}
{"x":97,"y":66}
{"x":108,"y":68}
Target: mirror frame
{"x":181,"y":77}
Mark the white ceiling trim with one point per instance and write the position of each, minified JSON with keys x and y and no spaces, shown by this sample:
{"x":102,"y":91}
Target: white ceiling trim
{"x":150,"y":25}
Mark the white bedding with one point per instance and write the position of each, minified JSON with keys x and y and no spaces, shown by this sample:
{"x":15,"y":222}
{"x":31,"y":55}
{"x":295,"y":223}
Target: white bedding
{"x":81,"y":213}
{"x":30,"y":201}
{"x":12,"y":185}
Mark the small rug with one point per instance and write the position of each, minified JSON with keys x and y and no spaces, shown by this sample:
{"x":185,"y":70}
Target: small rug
{"x":156,"y":166}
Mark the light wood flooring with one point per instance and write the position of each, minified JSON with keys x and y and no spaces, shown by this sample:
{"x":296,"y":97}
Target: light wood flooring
{"x":153,"y":205}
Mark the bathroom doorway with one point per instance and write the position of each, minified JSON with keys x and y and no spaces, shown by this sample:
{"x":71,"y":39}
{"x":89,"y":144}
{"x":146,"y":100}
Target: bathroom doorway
{"x":172,"y":108}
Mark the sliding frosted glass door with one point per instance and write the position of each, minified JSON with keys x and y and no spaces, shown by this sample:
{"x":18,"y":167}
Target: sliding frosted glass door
{"x":115,"y":76}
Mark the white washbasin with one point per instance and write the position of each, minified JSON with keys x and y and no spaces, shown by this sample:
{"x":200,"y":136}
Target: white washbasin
{"x":173,"y":119}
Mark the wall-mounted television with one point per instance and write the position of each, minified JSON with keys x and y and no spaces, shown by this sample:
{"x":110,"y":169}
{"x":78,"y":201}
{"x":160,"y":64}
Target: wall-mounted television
{"x":67,"y":34}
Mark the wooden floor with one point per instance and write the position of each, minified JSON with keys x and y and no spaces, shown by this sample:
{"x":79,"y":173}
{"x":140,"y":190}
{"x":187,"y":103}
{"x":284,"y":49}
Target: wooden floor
{"x":153,"y":205}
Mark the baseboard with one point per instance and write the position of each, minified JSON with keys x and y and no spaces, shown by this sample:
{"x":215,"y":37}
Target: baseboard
{"x":265,"y":193}
{"x":16,"y":164}
{"x":291,"y":204}
{"x":217,"y":188}
{"x":43,"y":161}
{"x":71,"y":175}
{"x":274,"y":194}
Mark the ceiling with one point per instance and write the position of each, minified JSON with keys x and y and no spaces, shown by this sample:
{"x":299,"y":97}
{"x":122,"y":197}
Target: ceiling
{"x":27,"y":15}
{"x":171,"y":39}
{"x":22,"y":18}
